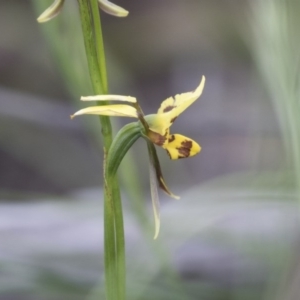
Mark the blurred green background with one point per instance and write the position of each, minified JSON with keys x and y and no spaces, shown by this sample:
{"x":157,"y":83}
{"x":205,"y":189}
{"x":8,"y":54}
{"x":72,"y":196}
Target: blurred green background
{"x":234,"y":234}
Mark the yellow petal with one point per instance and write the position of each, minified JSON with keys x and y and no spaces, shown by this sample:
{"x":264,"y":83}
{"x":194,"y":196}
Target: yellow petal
{"x":158,"y":123}
{"x":108,"y":110}
{"x":108,"y":98}
{"x":171,"y":108}
{"x":174,"y":107}
{"x":51,"y":11}
{"x":179,"y":146}
{"x":112,"y":9}
{"x":166,"y":105}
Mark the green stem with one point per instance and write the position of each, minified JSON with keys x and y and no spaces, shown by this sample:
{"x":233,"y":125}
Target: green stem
{"x":114,"y":241}
{"x":120,"y":241}
{"x":110,"y":253}
{"x":89,"y":43}
{"x":100,"y":46}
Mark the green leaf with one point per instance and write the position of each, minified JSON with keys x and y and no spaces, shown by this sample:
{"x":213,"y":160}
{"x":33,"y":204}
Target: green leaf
{"x":123,"y":141}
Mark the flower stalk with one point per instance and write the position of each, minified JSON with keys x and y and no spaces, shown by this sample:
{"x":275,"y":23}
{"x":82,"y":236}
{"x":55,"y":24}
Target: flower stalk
{"x":114,"y":243}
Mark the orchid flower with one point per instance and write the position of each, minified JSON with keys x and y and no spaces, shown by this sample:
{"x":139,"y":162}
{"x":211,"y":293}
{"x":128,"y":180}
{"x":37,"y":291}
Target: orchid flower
{"x":56,"y":7}
{"x":155,"y":128}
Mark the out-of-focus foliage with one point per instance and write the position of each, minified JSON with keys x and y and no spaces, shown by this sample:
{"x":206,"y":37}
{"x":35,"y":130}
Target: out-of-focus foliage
{"x":275,"y":48}
{"x":234,"y":233}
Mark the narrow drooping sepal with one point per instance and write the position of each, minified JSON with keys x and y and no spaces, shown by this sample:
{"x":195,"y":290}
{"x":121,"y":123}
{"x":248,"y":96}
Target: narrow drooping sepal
{"x":154,"y":158}
{"x":51,"y":12}
{"x":156,"y":175}
{"x":122,"y":142}
{"x":154,"y":194}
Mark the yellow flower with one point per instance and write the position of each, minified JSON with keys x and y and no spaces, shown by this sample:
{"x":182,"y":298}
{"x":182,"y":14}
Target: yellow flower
{"x":155,"y":128}
{"x":56,"y":7}
{"x":177,"y":146}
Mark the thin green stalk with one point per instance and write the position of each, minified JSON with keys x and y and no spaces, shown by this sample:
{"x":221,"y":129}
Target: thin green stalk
{"x":110,"y":253}
{"x":120,"y":240}
{"x":115,"y":191}
{"x":114,"y":256}
{"x":95,"y":57}
{"x":100,"y":46}
{"x":89,"y":43}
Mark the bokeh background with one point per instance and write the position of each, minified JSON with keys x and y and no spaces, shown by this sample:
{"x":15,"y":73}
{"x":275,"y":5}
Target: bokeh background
{"x":234,"y":234}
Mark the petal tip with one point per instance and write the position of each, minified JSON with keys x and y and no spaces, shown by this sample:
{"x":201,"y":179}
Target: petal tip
{"x":113,"y":9}
{"x":51,"y":11}
{"x":43,"y":19}
{"x":157,"y":227}
{"x":200,"y":87}
{"x":39,"y":20}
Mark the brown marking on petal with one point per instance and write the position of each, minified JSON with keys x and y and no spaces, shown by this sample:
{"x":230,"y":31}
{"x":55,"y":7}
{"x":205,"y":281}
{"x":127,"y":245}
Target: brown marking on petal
{"x":156,"y":138}
{"x":187,"y":144}
{"x":172,"y":120}
{"x":185,"y":149}
{"x":171,"y":138}
{"x":168,"y":108}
